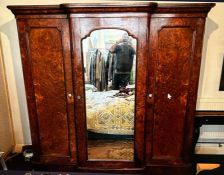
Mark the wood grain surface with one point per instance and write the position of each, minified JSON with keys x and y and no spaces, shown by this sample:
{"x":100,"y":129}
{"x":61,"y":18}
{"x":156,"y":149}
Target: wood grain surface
{"x":169,"y":44}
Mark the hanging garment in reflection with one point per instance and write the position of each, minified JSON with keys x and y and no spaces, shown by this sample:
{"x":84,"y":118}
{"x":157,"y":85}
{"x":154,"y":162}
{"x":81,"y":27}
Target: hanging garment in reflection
{"x":97,"y":69}
{"x":109,"y":69}
{"x":92,"y":67}
{"x":110,"y":66}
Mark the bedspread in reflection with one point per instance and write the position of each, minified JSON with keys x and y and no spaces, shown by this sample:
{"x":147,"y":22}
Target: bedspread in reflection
{"x":108,"y":114}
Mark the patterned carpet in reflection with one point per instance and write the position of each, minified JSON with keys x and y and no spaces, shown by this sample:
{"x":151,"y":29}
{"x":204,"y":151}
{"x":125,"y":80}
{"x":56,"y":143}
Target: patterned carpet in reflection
{"x":111,"y":149}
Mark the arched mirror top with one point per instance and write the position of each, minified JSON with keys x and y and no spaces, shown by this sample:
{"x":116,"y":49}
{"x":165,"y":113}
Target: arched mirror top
{"x":110,"y":31}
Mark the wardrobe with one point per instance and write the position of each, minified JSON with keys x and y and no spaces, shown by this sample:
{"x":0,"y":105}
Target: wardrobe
{"x":167,"y":39}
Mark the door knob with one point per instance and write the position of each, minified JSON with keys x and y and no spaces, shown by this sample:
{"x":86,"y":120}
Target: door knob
{"x":70,"y":98}
{"x":70,"y":95}
{"x":150,"y":95}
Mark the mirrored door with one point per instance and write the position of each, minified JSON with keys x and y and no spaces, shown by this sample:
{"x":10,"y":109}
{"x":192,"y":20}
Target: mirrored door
{"x":110,"y":78}
{"x":109,"y":61}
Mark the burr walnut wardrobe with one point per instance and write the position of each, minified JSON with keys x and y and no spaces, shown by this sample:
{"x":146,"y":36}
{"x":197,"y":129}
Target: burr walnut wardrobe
{"x":112,"y":87}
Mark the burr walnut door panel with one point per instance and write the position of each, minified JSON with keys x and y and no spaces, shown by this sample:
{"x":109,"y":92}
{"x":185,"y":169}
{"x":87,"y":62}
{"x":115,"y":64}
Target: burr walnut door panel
{"x":136,"y":27}
{"x":45,"y":51}
{"x":175,"y":47}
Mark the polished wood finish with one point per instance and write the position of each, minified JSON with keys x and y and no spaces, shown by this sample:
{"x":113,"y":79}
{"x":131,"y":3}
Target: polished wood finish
{"x":184,"y":8}
{"x":175,"y":55}
{"x":45,"y":52}
{"x":210,"y":114}
{"x":169,"y":38}
{"x":136,"y":26}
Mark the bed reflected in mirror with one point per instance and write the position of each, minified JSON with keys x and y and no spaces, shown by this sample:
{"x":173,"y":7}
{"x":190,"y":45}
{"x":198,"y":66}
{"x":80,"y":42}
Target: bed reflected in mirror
{"x":109,"y":58}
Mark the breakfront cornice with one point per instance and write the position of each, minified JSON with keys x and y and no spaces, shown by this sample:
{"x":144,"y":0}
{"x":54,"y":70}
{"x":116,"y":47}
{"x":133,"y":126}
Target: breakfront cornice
{"x":111,"y":8}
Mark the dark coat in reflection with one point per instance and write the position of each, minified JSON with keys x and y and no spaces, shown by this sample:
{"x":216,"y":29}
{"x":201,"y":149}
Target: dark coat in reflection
{"x":97,"y":70}
{"x":123,"y":64}
{"x":92,"y":67}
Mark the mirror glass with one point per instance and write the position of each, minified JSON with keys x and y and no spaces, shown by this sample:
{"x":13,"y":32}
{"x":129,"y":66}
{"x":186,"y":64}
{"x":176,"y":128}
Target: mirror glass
{"x":109,"y":58}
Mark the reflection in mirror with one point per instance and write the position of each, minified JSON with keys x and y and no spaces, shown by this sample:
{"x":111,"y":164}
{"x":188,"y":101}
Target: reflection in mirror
{"x":109,"y":69}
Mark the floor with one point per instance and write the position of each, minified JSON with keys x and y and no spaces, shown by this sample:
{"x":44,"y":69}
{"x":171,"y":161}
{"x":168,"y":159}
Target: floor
{"x":16,"y":163}
{"x":210,"y":169}
{"x":111,"y":149}
{"x":201,"y":167}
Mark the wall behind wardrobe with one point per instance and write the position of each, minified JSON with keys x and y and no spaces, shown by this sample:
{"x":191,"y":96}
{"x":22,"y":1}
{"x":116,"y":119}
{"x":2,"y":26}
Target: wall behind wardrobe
{"x":6,"y":132}
{"x":208,"y":96}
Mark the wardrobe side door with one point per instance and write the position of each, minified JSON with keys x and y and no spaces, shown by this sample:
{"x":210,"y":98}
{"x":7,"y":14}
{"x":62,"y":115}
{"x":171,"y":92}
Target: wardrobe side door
{"x":45,"y":51}
{"x":175,"y":53}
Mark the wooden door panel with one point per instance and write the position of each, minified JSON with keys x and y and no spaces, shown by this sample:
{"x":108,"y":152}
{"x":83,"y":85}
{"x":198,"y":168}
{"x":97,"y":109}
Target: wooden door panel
{"x":48,"y":81}
{"x":175,"y":54}
{"x":49,"y":88}
{"x":172,"y":81}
